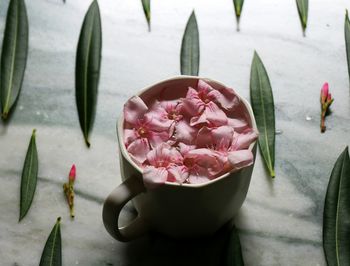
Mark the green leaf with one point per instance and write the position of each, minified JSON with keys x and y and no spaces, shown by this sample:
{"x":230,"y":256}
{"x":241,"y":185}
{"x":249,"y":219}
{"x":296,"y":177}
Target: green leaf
{"x":29,"y":177}
{"x":52,"y":253}
{"x":238,"y":4}
{"x":233,"y":254}
{"x":146,"y":4}
{"x":14,"y":55}
{"x":303,"y":6}
{"x":190,"y":48}
{"x":87,"y":69}
{"x":347,"y":39}
{"x":336,"y":215}
{"x":264,"y":111}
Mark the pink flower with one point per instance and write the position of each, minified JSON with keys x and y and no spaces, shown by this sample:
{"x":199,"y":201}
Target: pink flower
{"x":226,"y":97}
{"x":201,"y":165}
{"x":141,"y":133}
{"x":202,"y":104}
{"x":231,"y":146}
{"x":201,"y":107}
{"x":166,"y":113}
{"x":164,"y":165}
{"x":171,"y":114}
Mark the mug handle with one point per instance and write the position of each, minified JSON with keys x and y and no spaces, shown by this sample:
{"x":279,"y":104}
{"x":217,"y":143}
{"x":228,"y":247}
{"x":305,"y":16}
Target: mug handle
{"x":113,"y":205}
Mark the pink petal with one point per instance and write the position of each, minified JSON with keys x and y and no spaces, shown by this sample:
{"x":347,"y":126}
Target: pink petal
{"x":204,"y":87}
{"x":177,"y":174}
{"x":207,"y":159}
{"x":215,"y":115}
{"x":240,"y":159}
{"x":154,"y":177}
{"x":158,"y":153}
{"x":204,"y":138}
{"x":198,"y":175}
{"x":157,"y":118}
{"x":184,"y":132}
{"x":191,"y":93}
{"x":228,"y":98}
{"x":156,"y":138}
{"x":222,"y":138}
{"x":175,"y":156}
{"x":139,"y":149}
{"x":222,"y":135}
{"x":169,"y":105}
{"x":239,"y":125}
{"x":129,"y":136}
{"x":184,"y":148}
{"x":192,"y":104}
{"x":164,"y":154}
{"x":159,"y":124}
{"x":196,"y":120}
{"x":134,"y":109}
{"x":243,"y":141}
{"x":197,"y":179}
{"x":208,"y":91}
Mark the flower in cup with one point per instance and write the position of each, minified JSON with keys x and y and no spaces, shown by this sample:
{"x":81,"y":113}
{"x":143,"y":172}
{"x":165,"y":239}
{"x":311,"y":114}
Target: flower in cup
{"x":188,"y":140}
{"x":141,"y":133}
{"x":201,"y":165}
{"x":202,"y":104}
{"x":171,"y":114}
{"x":231,"y":146}
{"x":163,"y":165}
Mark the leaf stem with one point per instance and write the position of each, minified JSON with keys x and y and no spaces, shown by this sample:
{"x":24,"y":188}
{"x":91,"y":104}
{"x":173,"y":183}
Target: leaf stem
{"x":323,"y":126}
{"x":238,"y":19}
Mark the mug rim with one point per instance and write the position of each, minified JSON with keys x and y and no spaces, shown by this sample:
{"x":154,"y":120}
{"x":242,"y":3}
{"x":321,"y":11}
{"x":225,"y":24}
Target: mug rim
{"x":126,"y":155}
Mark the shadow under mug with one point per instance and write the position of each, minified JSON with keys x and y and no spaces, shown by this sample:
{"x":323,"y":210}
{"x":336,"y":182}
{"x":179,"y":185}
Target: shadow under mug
{"x":179,"y":211}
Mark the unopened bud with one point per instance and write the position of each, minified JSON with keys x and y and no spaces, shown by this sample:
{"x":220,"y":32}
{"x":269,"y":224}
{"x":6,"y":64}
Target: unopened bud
{"x":72,"y":173}
{"x":324,"y":93}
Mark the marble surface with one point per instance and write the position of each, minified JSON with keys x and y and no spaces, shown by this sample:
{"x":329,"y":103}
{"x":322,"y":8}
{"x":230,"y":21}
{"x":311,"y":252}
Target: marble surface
{"x":280,"y":222}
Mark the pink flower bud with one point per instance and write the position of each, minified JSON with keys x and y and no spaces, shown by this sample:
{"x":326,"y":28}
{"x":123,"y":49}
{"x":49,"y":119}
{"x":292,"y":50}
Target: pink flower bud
{"x":72,"y":173}
{"x":324,"y":92}
{"x":329,"y":98}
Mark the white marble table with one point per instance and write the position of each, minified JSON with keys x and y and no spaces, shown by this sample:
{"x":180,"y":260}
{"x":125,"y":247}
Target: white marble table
{"x":280,"y":222}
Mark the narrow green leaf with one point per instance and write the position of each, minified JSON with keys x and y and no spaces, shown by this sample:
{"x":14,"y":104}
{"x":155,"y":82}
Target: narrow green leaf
{"x":238,"y":4}
{"x":347,"y":39}
{"x":190,"y":48}
{"x":87,"y":69}
{"x":29,"y":177}
{"x":146,"y":4}
{"x":264,"y":111}
{"x":52,"y":253}
{"x":233,"y":254}
{"x":303,"y":7}
{"x":336,"y":215}
{"x":14,"y":55}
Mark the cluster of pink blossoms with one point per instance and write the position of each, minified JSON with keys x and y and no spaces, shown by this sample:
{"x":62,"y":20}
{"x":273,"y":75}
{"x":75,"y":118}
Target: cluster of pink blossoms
{"x":188,"y":140}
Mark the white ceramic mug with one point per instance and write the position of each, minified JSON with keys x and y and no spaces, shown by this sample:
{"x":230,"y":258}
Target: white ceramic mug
{"x":187,"y":210}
